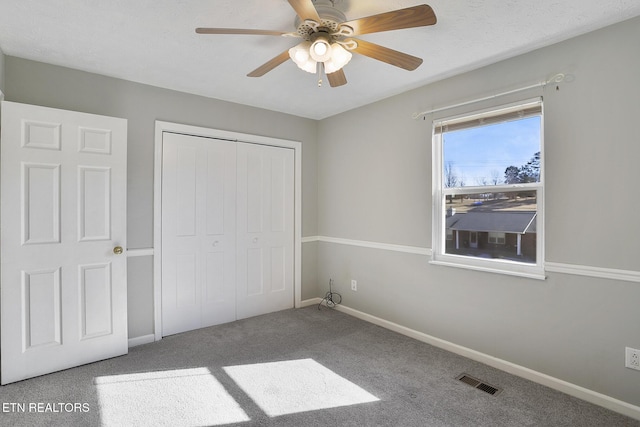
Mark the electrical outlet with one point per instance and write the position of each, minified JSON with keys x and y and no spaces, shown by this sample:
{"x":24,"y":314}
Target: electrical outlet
{"x":354,"y":285}
{"x":632,"y":358}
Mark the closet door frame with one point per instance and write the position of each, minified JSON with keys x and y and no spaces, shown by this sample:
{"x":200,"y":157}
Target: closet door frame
{"x":160,"y":128}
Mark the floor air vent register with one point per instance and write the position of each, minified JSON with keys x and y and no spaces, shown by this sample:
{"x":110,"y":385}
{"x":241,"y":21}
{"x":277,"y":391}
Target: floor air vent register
{"x":480,"y":385}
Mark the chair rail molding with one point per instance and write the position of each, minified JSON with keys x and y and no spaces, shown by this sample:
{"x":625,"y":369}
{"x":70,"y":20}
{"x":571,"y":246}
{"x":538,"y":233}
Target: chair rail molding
{"x":132,"y":253}
{"x":549,"y":266}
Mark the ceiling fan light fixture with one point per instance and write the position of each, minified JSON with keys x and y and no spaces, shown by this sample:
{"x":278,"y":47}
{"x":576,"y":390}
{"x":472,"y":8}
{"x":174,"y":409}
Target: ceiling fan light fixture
{"x":300,"y":52}
{"x":300,"y":55}
{"x":339,"y":58}
{"x":310,"y":66}
{"x":320,"y":50}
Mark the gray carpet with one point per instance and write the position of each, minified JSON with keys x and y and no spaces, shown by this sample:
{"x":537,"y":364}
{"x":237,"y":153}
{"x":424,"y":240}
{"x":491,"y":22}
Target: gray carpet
{"x":294,"y":368}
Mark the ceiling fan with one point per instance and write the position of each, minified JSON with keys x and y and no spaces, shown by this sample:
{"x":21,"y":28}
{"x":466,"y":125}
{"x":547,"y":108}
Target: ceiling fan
{"x":327,"y":38}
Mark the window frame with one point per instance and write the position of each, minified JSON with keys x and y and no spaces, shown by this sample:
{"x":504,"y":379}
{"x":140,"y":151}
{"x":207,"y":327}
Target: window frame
{"x":440,"y":193}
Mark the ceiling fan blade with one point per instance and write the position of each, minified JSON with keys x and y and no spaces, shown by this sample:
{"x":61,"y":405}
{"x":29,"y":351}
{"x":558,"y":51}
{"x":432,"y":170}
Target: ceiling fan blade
{"x":239,"y":31}
{"x":269,"y":65}
{"x":337,"y":78}
{"x":416,"y":16}
{"x":305,"y":9}
{"x":384,"y":54}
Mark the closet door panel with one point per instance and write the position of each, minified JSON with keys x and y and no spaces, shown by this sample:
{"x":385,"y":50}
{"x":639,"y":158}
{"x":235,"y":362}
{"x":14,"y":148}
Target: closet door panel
{"x":198,"y":232}
{"x":265,"y":229}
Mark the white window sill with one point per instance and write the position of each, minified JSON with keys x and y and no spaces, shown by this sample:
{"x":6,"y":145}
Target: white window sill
{"x":533,"y":272}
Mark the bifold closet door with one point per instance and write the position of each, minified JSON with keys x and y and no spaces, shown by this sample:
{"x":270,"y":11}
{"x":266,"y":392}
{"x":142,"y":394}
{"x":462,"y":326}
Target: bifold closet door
{"x":227,"y":231}
{"x":198,"y":232}
{"x":265,"y":229}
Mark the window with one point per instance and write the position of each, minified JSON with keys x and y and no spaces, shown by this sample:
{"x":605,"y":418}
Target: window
{"x":497,"y":238}
{"x":488,"y":190}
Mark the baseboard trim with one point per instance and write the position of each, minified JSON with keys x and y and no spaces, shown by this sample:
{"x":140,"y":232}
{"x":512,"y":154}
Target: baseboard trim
{"x":145,"y":339}
{"x":309,"y":302}
{"x":537,"y":377}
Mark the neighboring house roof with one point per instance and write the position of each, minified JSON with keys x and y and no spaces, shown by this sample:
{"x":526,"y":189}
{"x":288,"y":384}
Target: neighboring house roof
{"x":497,"y":221}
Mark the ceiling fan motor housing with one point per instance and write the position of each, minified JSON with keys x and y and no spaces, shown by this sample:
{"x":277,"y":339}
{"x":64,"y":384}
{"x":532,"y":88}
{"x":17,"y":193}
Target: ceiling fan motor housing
{"x":330,"y":20}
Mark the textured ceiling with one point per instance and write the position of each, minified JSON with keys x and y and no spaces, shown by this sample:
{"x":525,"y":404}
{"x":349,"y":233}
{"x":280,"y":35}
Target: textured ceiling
{"x":153,"y":42}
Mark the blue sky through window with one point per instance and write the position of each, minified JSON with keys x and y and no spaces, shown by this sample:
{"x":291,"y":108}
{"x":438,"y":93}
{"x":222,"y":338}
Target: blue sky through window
{"x":479,"y":154}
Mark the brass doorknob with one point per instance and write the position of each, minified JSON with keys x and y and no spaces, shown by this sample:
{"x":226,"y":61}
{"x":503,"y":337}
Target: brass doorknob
{"x":117,"y":250}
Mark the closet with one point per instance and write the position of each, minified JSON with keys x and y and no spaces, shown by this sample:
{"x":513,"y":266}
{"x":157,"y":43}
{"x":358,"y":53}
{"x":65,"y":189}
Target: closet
{"x":227,"y":231}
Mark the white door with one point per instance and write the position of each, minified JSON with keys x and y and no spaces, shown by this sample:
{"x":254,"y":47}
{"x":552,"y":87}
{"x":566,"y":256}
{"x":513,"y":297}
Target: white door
{"x":198,"y":232}
{"x":63,"y":214}
{"x":227,"y":231}
{"x":265,"y":229}
{"x":473,"y":240}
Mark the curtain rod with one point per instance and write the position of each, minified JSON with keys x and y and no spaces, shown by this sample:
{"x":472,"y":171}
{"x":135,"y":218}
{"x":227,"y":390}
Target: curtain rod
{"x":555,"y":79}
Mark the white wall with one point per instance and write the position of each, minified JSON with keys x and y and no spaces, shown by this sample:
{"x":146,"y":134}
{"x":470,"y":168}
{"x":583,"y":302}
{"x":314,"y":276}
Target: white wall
{"x":42,"y":84}
{"x":374,"y":185}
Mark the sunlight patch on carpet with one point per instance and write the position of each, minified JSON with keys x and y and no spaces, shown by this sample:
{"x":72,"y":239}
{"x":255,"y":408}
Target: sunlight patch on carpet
{"x":185,"y":397}
{"x":289,"y":387}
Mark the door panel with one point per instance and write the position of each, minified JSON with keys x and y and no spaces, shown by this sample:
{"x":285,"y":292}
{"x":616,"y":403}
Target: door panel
{"x":41,"y":308}
{"x":40,"y":219}
{"x":41,"y":135}
{"x":255,"y":271}
{"x":281,"y":202}
{"x":265,"y":229}
{"x":215,"y":185}
{"x":63,"y":185}
{"x":95,"y":203}
{"x":95,"y":300}
{"x":198,"y":233}
{"x":215,"y":276}
{"x":278,"y":269}
{"x":95,"y":141}
{"x":254,"y":186}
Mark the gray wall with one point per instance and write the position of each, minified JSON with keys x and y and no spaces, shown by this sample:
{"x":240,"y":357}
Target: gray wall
{"x":1,"y":71}
{"x":374,"y":184}
{"x":48,"y":85}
